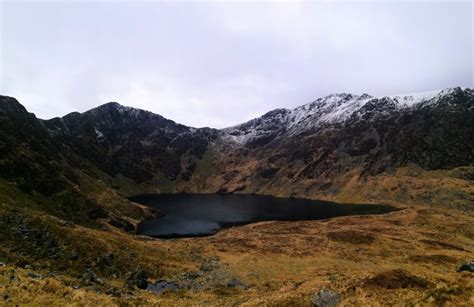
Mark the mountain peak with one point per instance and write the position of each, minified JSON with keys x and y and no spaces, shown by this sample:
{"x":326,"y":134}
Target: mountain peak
{"x":113,"y":104}
{"x":11,"y":105}
{"x":112,"y":107}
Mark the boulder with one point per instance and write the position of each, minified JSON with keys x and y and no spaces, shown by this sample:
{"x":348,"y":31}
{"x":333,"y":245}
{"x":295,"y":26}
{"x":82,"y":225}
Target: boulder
{"x":469,"y":267}
{"x":326,"y":298}
{"x":234,"y":282}
{"x":138,"y":279}
{"x":162,"y":287}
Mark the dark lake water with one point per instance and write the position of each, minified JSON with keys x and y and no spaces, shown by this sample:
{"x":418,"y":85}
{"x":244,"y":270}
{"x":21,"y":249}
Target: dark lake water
{"x":190,"y":215}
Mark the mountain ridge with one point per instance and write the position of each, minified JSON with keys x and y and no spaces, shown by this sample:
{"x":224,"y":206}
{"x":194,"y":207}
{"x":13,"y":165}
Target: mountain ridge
{"x":319,"y":141}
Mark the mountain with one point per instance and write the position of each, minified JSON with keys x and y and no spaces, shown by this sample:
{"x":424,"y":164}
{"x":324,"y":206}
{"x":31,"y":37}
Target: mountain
{"x":38,"y":162}
{"x":137,"y":144}
{"x":318,"y":144}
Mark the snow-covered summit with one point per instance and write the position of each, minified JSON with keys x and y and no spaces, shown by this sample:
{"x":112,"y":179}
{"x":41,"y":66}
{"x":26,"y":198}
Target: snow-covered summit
{"x":332,"y":109}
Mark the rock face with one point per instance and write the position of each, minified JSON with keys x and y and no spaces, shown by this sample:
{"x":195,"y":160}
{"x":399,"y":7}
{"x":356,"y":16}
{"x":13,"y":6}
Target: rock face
{"x":326,"y":298}
{"x":28,"y":155}
{"x":137,"y":144}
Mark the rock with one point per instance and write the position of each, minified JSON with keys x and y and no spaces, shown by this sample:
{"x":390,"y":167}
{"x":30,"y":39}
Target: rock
{"x":65,"y":223}
{"x":97,"y":212}
{"x":2,"y":263}
{"x":122,"y":224}
{"x":469,"y":267}
{"x":32,"y":275}
{"x":108,"y":259}
{"x":210,"y":264}
{"x":234,"y":282}
{"x":189,"y":276}
{"x":73,"y":256}
{"x":89,"y":276}
{"x":326,"y":298}
{"x":138,"y":279}
{"x":113,"y":292}
{"x":162,"y":286}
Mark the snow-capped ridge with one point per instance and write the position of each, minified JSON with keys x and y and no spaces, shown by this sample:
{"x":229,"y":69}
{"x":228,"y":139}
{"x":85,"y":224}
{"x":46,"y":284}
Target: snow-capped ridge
{"x":331,"y":109}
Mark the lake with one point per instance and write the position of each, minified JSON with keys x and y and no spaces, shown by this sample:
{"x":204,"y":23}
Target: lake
{"x":191,"y":215}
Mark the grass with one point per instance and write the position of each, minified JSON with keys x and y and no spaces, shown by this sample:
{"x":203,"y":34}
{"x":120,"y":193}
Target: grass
{"x":407,"y":257}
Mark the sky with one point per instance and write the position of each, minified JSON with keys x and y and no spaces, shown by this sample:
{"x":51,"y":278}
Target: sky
{"x":218,"y":64}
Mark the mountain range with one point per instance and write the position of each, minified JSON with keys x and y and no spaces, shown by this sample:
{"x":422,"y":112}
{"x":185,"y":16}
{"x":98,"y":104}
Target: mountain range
{"x":322,"y":148}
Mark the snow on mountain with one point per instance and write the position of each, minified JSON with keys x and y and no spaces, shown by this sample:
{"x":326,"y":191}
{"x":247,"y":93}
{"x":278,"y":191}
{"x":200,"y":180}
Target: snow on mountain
{"x":332,"y":109}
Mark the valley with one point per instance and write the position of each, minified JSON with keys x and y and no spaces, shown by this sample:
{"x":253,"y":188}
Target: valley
{"x":68,"y":229}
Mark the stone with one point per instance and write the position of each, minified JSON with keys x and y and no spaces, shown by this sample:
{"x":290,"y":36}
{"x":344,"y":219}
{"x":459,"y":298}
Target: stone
{"x":113,"y":292}
{"x":108,"y":259}
{"x":32,"y":275}
{"x":469,"y":267}
{"x":162,"y":287}
{"x":73,"y":256}
{"x":210,"y":264}
{"x":189,"y":276}
{"x":138,"y":279}
{"x":89,"y":276}
{"x":234,"y":283}
{"x":65,"y":223}
{"x":326,"y":298}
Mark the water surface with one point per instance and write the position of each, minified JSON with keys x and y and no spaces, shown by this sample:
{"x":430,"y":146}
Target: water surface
{"x":190,"y":215}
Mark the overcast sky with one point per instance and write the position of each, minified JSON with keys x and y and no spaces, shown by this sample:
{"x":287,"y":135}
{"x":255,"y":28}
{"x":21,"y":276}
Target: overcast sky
{"x":219,"y":64}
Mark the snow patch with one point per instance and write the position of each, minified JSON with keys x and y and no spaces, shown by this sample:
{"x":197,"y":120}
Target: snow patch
{"x":409,"y":100}
{"x":98,"y":134}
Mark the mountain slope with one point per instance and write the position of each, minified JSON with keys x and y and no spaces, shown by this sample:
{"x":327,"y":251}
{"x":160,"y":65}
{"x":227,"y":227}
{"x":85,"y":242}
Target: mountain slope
{"x":309,"y":150}
{"x":137,"y":144}
{"x":34,"y":162}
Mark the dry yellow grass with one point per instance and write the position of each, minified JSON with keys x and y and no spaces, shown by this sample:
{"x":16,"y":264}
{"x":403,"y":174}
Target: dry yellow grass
{"x":405,"y":258}
{"x":286,"y":262}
